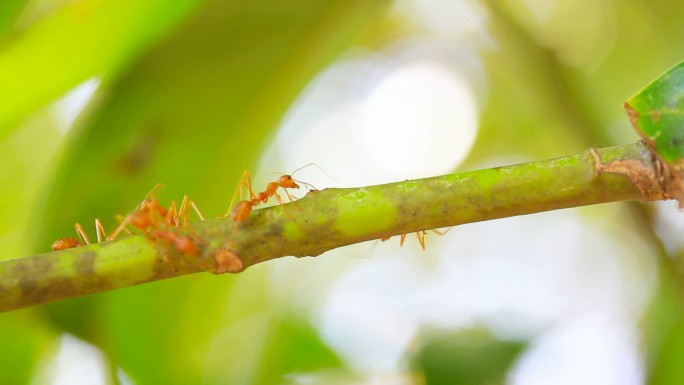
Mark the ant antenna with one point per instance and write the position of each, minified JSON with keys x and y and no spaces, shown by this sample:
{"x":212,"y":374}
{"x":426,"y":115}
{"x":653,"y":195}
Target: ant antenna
{"x":158,"y":186}
{"x":315,"y":165}
{"x":305,"y":184}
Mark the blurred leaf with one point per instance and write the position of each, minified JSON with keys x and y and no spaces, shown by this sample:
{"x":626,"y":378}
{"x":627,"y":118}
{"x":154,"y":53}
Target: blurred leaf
{"x":542,"y":103}
{"x":82,"y":40}
{"x":296,"y":349}
{"x":9,"y":9}
{"x":24,"y":338}
{"x":667,"y":367}
{"x":158,"y":333}
{"x":193,"y":113}
{"x":27,"y":155}
{"x":471,"y":357}
{"x":525,"y":76}
{"x":269,"y":348}
{"x":663,"y":327}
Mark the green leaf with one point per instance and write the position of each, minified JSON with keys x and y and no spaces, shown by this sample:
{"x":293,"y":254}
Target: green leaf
{"x":80,"y":41}
{"x":657,"y":113}
{"x":470,"y":357}
{"x":24,"y":338}
{"x":663,"y":330}
{"x":9,"y":9}
{"x":296,"y":348}
{"x":271,"y":348}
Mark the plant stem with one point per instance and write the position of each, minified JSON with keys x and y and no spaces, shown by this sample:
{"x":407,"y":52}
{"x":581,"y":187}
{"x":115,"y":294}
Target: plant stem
{"x":331,"y":218}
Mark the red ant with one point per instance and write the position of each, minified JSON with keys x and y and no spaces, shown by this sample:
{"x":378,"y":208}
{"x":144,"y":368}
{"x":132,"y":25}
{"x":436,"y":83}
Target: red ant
{"x":70,"y":242}
{"x":152,"y":219}
{"x":150,"y":215}
{"x":243,"y":208}
{"x":65,"y":243}
{"x":147,"y":214}
{"x":183,"y":243}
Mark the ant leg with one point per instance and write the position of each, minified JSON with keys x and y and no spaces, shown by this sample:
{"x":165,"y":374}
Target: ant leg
{"x":100,"y":231}
{"x":245,"y":181}
{"x":172,"y":218}
{"x":122,"y":226}
{"x":289,"y":196}
{"x":81,"y":233}
{"x":248,"y":184}
{"x":280,"y":200}
{"x":156,"y":213}
{"x":182,"y":212}
{"x":123,"y":223}
{"x":197,"y":211}
{"x":419,"y":234}
{"x":421,"y":238}
{"x":183,"y":216}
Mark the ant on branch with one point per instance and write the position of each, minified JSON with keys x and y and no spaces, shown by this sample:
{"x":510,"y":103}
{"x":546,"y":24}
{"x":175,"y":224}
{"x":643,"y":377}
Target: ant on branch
{"x":149,"y":217}
{"x":156,"y":221}
{"x":244,"y":207}
{"x":70,"y":242}
{"x":185,"y":244}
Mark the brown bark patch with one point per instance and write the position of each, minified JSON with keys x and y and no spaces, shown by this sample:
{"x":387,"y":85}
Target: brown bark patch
{"x":228,"y":262}
{"x":651,"y":179}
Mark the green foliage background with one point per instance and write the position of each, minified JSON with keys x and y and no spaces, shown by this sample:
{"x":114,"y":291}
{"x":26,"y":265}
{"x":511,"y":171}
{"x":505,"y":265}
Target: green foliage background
{"x":191,"y":93}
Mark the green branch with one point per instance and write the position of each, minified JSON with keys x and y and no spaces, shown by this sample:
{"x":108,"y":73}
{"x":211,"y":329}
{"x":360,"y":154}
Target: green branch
{"x":331,"y":218}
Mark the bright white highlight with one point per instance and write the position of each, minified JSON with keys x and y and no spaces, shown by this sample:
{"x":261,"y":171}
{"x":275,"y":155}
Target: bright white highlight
{"x":419,"y":117}
{"x":595,"y":351}
{"x":67,"y":109}
{"x":581,"y":288}
{"x":75,"y":363}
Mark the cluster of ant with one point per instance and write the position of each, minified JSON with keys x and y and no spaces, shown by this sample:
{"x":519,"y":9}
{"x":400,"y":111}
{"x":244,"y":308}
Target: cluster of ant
{"x":165,"y":224}
{"x":149,"y":217}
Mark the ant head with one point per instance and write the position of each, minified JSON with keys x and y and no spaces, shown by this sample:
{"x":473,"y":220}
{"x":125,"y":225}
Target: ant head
{"x":287,"y":182}
{"x":139,"y":219}
{"x":65,"y":243}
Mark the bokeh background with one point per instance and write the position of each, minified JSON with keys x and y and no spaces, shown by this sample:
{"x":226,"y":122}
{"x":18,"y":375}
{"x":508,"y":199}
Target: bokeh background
{"x":102,"y":99}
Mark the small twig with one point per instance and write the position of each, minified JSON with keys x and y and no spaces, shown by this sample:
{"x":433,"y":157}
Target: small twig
{"x":332,"y":218}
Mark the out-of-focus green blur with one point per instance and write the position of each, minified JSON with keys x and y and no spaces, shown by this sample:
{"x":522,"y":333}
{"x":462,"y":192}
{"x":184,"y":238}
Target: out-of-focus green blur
{"x":190,"y":93}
